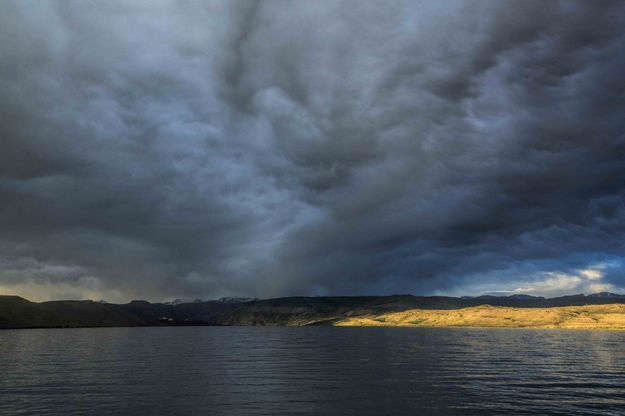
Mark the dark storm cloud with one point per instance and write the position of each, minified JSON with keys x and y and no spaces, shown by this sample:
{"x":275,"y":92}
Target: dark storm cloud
{"x":198,"y":149}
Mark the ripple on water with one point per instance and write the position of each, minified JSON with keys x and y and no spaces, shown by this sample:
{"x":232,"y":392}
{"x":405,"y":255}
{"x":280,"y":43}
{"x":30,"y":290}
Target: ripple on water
{"x":312,"y":370}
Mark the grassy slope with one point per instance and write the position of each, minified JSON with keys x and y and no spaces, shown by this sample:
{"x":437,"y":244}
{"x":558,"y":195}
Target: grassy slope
{"x":589,"y":316}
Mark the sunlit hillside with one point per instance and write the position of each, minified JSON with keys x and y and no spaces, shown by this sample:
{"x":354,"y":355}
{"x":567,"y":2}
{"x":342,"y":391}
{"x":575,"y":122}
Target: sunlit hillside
{"x":589,"y":316}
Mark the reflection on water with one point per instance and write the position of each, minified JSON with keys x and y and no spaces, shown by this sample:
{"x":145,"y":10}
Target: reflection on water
{"x":313,"y":370}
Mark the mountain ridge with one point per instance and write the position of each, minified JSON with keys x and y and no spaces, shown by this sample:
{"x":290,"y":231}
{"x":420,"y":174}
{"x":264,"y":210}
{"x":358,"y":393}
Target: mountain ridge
{"x":17,"y":312}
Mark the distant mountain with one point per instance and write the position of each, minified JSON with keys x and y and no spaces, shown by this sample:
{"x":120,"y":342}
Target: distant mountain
{"x":181,"y":301}
{"x":175,"y":302}
{"x":231,"y":299}
{"x":605,"y":295}
{"x":503,"y":295}
{"x":16,"y":312}
{"x":524,"y":297}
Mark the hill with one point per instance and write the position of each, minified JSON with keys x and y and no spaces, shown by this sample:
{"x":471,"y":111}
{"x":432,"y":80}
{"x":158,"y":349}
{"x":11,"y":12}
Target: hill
{"x":571,"y":317}
{"x":16,"y":312}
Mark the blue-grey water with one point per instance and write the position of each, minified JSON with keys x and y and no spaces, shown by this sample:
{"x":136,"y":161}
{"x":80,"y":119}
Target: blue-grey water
{"x":311,"y":370}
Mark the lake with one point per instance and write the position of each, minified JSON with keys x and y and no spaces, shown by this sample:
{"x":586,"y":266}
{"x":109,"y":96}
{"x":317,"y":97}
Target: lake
{"x":311,"y":370}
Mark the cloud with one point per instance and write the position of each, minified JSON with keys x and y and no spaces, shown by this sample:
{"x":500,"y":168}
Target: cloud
{"x":590,"y":279}
{"x":268,"y":148}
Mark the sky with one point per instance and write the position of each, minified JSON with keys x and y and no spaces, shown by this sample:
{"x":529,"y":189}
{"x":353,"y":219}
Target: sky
{"x":198,"y":149}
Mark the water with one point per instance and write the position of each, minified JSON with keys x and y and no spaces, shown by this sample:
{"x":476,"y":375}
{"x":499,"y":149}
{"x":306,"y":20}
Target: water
{"x":312,"y":370}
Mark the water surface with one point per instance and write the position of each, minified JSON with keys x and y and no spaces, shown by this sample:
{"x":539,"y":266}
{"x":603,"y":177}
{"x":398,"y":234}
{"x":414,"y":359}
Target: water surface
{"x":311,"y":370}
